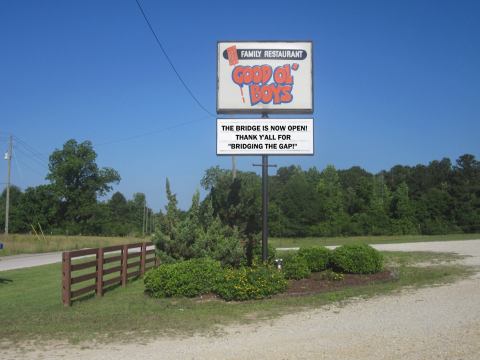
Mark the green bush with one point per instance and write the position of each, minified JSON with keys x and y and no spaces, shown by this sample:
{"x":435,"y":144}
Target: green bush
{"x":331,"y":275}
{"x":356,"y":259}
{"x":295,"y":267}
{"x":185,"y":278}
{"x":317,"y":257}
{"x":248,"y":283}
{"x":257,"y":253}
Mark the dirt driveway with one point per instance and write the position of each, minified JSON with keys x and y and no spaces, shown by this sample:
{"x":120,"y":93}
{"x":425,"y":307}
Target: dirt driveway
{"x":432,"y":323}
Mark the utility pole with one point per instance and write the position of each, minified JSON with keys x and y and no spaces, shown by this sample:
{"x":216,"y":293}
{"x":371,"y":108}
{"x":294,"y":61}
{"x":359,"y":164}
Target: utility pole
{"x":153,"y":221}
{"x":147,"y":221}
{"x":143,"y":219}
{"x":8,"y":157}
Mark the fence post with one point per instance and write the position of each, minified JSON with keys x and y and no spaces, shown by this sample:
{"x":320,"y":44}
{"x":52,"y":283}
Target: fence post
{"x":99,"y":289}
{"x":124,"y":265}
{"x":143,"y":258}
{"x":66,"y":278}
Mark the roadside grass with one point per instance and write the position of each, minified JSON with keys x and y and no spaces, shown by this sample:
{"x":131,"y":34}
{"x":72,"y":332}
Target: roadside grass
{"x":31,"y":310}
{"x":393,"y":239}
{"x":28,"y":244}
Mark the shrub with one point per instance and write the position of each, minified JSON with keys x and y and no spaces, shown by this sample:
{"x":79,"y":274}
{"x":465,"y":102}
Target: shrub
{"x":257,"y":254}
{"x":331,"y":275}
{"x":317,"y":257}
{"x":356,"y":259}
{"x":295,"y":267}
{"x":185,"y":278}
{"x":248,"y":283}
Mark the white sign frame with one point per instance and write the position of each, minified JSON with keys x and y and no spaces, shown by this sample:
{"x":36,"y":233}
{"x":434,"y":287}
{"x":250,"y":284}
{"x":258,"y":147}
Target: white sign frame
{"x":230,"y":95}
{"x":281,"y":137}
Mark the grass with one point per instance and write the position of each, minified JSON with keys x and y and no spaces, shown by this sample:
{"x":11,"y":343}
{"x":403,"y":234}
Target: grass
{"x":392,"y":239}
{"x":31,"y":309}
{"x":29,"y":244}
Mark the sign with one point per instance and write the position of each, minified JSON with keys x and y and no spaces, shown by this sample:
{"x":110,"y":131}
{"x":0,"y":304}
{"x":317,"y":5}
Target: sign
{"x":264,"y":77}
{"x":264,"y":136}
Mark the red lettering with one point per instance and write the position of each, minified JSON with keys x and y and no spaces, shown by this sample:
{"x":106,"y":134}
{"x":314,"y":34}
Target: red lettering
{"x":257,"y":75}
{"x":237,"y":75}
{"x":266,"y":73}
{"x":276,"y":93}
{"x":267,"y":93}
{"x":255,"y":94}
{"x":245,"y":75}
{"x":287,"y":94}
{"x":282,"y":75}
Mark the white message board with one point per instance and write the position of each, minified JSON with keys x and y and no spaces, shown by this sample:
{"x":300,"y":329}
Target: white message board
{"x":265,"y":136}
{"x":264,"y":77}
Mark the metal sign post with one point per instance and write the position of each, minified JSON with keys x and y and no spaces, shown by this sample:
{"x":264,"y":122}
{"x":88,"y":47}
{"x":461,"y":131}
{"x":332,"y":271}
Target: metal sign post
{"x":265,"y":167}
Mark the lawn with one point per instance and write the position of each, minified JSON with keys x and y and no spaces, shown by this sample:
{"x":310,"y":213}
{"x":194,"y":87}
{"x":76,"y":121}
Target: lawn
{"x":31,"y":308}
{"x":391,"y":239}
{"x":29,"y":244}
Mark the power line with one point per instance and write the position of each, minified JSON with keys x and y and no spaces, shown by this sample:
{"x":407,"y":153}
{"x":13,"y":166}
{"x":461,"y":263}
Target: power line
{"x":29,"y":167}
{"x":171,"y":63}
{"x":41,"y":157}
{"x":38,"y":162}
{"x":133,"y":137}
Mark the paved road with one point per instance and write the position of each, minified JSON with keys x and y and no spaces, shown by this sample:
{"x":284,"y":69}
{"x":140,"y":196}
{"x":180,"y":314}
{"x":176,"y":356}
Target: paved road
{"x":29,"y":260}
{"x":441,"y":322}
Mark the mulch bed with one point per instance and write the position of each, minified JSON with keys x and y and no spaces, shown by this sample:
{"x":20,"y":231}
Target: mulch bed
{"x":316,"y":284}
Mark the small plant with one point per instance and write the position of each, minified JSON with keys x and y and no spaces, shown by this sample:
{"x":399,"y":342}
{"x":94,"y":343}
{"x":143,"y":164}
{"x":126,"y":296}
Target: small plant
{"x":317,"y":257}
{"x":356,"y":259}
{"x":331,"y":275}
{"x":296,"y":267}
{"x":248,"y":283}
{"x":185,"y":278}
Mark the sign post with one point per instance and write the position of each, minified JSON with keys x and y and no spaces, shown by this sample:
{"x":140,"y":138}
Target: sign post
{"x":264,"y":208}
{"x":265,"y":167}
{"x":265,"y":78}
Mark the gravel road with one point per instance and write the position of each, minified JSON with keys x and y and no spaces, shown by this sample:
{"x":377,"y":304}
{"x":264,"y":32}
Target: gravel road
{"x":432,"y":323}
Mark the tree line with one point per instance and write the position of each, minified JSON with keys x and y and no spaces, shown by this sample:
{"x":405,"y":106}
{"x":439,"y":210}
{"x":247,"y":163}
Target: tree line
{"x":69,"y":203}
{"x":437,"y":198}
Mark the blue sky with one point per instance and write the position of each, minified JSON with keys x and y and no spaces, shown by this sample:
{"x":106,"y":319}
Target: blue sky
{"x":396,"y":82}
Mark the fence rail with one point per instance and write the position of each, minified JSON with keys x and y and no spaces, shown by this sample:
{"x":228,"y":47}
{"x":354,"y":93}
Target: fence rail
{"x":134,"y":260}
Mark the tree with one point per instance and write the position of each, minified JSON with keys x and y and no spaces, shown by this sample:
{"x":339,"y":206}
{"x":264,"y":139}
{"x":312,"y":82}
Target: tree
{"x":357,"y":189}
{"x":190,"y":237}
{"x":236,"y":201}
{"x":39,"y":205}
{"x":118,"y":223}
{"x":465,"y":188}
{"x":333,"y":217}
{"x":78,"y":181}
{"x":402,"y":211}
{"x":15,"y":222}
{"x":295,"y":203}
{"x":378,"y":211}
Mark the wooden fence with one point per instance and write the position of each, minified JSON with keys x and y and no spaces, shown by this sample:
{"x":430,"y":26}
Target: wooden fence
{"x":121,"y":260}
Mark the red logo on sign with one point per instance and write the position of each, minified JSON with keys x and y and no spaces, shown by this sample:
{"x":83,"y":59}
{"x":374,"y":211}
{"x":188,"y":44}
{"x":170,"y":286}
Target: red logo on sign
{"x":232,"y":55}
